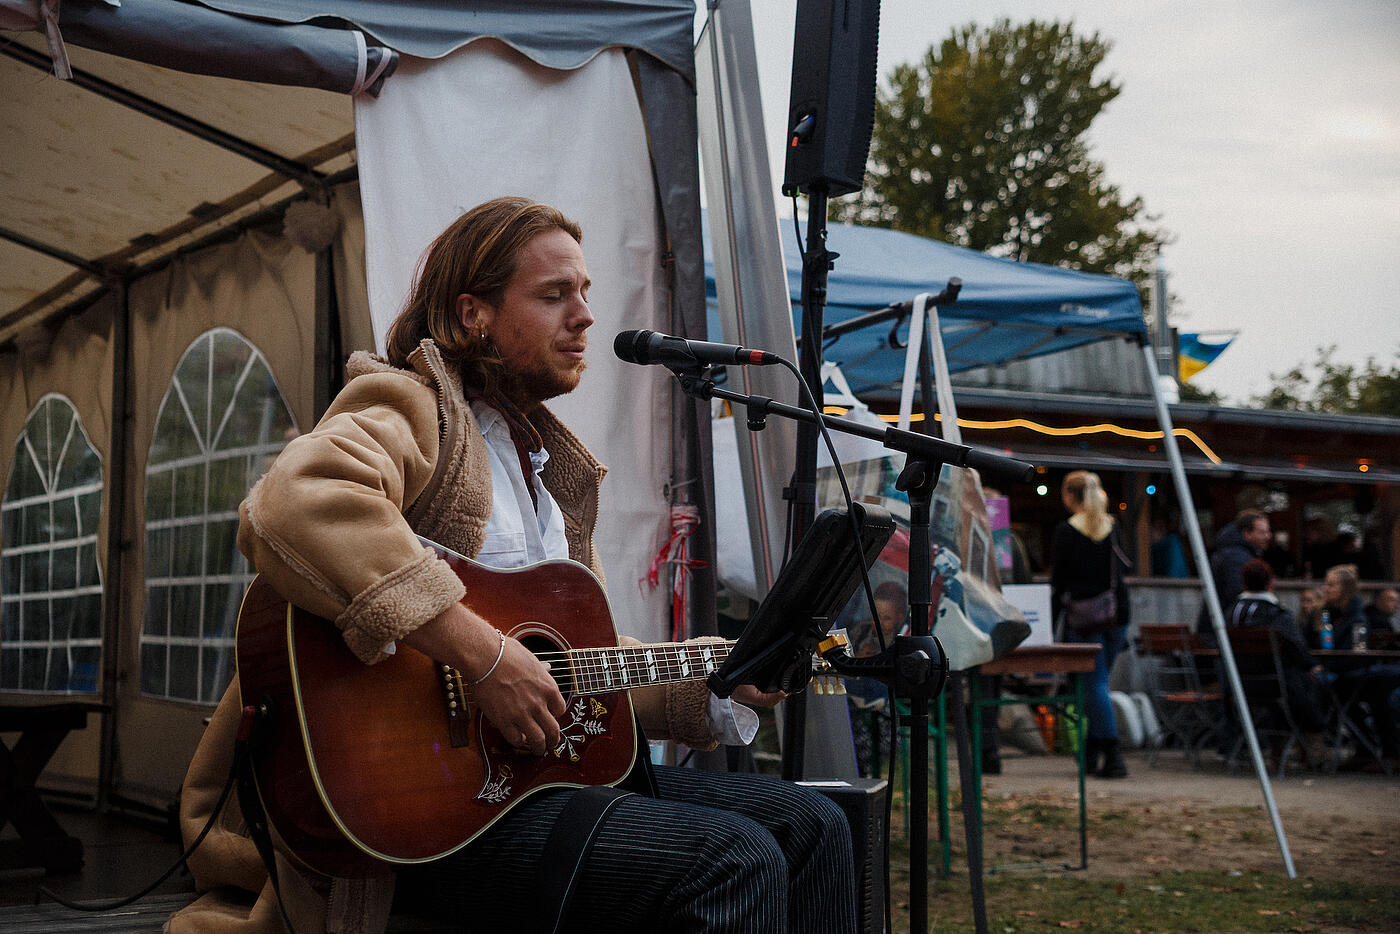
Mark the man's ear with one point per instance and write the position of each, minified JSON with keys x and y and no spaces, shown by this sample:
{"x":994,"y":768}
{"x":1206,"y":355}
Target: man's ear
{"x":474,"y":314}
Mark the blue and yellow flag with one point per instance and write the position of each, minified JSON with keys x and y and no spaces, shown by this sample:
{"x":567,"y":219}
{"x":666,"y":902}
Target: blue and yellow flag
{"x":1196,"y":351}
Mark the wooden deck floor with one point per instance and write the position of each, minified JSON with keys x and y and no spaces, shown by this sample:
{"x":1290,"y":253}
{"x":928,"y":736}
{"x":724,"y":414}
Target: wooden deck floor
{"x":121,"y":856}
{"x":144,"y":917}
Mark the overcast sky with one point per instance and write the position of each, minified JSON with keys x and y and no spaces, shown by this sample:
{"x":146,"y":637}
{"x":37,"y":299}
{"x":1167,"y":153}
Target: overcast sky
{"x":1266,"y":136}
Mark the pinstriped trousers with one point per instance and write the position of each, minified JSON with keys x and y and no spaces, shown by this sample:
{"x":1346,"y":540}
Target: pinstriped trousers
{"x":715,"y":852}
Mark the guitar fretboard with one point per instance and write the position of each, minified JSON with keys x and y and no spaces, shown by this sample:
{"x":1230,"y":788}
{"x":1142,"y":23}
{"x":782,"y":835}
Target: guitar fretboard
{"x":596,"y":671}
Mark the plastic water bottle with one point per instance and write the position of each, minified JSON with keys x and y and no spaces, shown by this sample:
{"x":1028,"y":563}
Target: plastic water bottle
{"x":1325,"y":632}
{"x":1358,"y":635}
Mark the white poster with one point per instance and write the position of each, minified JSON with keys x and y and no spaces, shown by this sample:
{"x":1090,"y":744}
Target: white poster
{"x":1033,"y":600}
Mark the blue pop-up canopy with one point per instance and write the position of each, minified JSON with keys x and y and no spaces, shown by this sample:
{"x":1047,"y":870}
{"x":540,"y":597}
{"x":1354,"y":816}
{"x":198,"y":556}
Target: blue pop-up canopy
{"x":1005,"y":311}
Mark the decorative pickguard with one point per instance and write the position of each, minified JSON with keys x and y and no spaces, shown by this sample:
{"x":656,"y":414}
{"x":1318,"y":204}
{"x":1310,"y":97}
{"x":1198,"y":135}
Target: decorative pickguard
{"x":585,"y":720}
{"x":497,"y":788}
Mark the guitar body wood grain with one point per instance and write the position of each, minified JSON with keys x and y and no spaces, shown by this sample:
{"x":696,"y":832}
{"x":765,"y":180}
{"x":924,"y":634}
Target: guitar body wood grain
{"x":361,"y":767}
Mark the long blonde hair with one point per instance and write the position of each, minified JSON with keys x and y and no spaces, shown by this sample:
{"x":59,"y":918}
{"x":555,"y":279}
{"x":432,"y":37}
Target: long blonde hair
{"x":1347,"y":578}
{"x":1089,"y":502}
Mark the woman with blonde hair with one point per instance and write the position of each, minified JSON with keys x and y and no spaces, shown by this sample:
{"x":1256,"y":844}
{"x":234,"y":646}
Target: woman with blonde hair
{"x":1341,"y":603}
{"x":1087,"y":566}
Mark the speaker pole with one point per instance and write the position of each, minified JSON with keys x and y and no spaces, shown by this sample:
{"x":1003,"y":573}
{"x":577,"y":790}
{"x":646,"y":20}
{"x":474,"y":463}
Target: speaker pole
{"x":802,"y":493}
{"x":831,"y":111}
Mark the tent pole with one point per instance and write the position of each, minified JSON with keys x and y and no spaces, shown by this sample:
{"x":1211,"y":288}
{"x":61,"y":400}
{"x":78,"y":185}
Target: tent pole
{"x":750,"y":281}
{"x":113,"y":587}
{"x":1212,"y":599}
{"x":327,"y":353}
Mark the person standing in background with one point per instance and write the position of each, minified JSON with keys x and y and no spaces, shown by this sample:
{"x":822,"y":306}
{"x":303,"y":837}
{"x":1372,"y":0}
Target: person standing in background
{"x":1241,"y":541}
{"x":1168,"y":553}
{"x":1083,"y":552}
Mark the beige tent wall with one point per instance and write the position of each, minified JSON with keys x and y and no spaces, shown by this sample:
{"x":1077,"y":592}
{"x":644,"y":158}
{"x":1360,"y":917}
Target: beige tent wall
{"x":73,"y":360}
{"x":356,"y":328}
{"x":264,"y":288}
{"x":259,"y":285}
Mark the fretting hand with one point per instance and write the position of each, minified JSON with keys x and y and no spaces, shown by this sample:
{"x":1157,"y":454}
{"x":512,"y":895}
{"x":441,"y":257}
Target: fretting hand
{"x":750,"y":696}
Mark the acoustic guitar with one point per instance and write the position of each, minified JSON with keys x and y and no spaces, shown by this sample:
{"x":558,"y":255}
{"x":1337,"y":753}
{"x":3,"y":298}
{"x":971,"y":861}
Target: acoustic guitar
{"x":393,"y":762}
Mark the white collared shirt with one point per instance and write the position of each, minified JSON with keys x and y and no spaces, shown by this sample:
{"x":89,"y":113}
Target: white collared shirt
{"x":524,"y":534}
{"x":527,"y":534}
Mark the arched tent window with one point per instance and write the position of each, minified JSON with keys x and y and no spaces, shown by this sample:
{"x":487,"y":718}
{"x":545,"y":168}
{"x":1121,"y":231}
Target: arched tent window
{"x":50,"y":582}
{"x":222,"y":419}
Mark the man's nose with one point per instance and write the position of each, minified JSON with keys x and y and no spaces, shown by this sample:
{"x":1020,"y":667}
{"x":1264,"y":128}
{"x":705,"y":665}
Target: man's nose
{"x":581,"y":316}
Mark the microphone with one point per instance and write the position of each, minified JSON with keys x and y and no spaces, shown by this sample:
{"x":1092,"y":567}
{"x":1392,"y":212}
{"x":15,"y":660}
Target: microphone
{"x":646,"y":347}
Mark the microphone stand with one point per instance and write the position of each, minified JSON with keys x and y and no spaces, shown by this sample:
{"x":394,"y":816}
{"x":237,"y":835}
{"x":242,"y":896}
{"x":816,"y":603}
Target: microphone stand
{"x":919,"y":486}
{"x":915,"y":666}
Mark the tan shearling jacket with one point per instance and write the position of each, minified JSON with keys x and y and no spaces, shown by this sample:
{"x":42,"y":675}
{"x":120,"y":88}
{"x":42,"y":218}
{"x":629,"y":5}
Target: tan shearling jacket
{"x":333,"y":526}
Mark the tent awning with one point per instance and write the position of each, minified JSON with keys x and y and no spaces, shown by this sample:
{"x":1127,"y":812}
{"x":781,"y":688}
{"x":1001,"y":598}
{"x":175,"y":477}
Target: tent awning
{"x":540,"y":29}
{"x":1006,"y":310}
{"x":152,"y":147}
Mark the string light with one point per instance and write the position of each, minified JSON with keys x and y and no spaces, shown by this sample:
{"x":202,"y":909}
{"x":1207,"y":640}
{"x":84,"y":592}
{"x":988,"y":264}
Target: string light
{"x":1101,"y":428}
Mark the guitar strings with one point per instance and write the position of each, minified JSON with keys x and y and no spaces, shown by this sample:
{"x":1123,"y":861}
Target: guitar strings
{"x":589,"y":670}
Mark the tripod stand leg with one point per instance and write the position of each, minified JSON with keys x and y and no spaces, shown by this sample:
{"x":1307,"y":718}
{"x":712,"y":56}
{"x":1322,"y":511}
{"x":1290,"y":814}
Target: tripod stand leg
{"x":969,"y":773}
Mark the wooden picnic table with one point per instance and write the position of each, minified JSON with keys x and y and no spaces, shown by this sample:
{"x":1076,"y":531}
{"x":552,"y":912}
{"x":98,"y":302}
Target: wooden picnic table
{"x":42,"y":729}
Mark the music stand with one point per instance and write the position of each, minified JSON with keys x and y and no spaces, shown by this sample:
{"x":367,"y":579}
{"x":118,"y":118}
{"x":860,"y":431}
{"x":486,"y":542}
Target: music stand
{"x":774,"y":651}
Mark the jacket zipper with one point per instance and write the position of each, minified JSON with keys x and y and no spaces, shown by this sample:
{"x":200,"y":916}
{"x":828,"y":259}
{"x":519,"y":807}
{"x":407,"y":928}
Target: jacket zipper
{"x":448,"y":439}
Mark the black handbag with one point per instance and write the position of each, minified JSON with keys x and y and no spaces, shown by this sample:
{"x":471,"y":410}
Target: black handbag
{"x":1090,"y":616}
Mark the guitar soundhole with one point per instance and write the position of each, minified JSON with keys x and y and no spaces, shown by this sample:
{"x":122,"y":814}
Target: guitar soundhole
{"x":552,"y":652}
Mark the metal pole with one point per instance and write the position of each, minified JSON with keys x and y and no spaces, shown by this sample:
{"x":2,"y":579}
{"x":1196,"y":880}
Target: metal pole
{"x":803,"y":491}
{"x":1217,"y":617}
{"x":113,"y":589}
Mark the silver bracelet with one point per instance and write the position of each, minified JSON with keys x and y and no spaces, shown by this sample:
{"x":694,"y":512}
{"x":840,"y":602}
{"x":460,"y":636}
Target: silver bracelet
{"x":499,"y":655}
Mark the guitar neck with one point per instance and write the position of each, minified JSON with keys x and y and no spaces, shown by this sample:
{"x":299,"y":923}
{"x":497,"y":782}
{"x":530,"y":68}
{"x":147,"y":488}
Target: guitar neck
{"x":624,"y":667}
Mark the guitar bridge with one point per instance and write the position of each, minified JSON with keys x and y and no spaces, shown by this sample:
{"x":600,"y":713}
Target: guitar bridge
{"x":454,"y":696}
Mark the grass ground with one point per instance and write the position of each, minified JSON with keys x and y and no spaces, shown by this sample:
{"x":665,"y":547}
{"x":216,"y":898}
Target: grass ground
{"x":1178,"y":867}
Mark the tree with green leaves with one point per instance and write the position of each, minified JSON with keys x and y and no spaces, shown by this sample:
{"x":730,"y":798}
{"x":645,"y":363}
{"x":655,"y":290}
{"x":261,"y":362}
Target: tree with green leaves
{"x":982,"y":144}
{"x":1190,"y":392}
{"x":1329,"y":386}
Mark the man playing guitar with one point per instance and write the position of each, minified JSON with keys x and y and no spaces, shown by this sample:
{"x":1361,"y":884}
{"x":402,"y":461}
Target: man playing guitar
{"x":448,"y":439}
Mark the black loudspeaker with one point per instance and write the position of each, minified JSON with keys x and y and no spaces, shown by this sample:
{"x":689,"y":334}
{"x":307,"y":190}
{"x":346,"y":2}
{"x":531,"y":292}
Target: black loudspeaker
{"x":832,"y":108}
{"x":863,"y":802}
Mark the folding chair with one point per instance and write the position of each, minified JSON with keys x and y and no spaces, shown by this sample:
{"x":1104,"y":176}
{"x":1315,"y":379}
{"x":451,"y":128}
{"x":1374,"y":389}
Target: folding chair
{"x":1189,"y":715}
{"x":1348,"y":725}
{"x":1259,"y":659}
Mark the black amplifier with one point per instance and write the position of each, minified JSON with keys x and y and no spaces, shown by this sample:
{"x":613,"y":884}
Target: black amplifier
{"x":863,"y":802}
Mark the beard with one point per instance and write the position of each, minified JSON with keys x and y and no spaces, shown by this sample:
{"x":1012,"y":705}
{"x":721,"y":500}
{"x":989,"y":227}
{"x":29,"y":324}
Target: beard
{"x":529,"y":388}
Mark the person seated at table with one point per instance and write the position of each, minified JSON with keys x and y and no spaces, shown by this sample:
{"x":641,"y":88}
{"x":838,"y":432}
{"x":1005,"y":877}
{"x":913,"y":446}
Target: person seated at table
{"x":1383,"y":612}
{"x":1257,"y":606}
{"x":1370,"y":693}
{"x":1375,"y":689}
{"x":1309,"y":611}
{"x":1341,"y":606}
